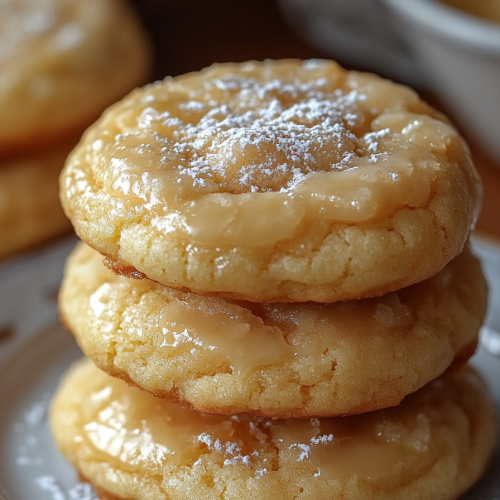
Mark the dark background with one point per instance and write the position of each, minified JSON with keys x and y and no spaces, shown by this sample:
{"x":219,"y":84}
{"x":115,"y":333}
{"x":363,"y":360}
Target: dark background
{"x":191,"y":34}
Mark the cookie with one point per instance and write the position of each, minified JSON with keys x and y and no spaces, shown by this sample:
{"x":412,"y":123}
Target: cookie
{"x":434,"y":445}
{"x":275,"y":360}
{"x":30,"y":211}
{"x":62,"y":62}
{"x":282,"y":181}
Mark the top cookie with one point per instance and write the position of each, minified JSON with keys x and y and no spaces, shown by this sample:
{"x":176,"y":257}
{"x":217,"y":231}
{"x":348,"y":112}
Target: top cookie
{"x":61,"y":63}
{"x":274,"y":181}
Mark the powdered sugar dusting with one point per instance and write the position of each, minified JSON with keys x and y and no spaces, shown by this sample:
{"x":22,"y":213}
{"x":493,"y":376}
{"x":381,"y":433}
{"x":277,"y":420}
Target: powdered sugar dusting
{"x":306,"y":449}
{"x":265,"y":141}
{"x":230,"y":449}
{"x":253,"y":133}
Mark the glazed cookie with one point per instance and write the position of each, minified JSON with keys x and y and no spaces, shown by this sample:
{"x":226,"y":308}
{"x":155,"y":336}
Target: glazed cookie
{"x":30,"y":211}
{"x":62,"y":62}
{"x":280,"y":181}
{"x":274,"y":360}
{"x":434,"y":445}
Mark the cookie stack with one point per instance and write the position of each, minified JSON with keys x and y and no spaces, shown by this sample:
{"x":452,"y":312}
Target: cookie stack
{"x":62,"y":63}
{"x":298,"y":235}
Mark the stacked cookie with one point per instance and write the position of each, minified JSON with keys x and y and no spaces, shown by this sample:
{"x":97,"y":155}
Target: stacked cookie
{"x":299,"y":237}
{"x":62,"y":63}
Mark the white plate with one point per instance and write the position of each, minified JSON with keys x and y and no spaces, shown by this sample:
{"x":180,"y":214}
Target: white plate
{"x":37,"y":351}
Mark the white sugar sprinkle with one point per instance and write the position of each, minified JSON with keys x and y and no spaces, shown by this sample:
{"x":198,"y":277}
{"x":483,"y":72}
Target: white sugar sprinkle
{"x":252,"y":136}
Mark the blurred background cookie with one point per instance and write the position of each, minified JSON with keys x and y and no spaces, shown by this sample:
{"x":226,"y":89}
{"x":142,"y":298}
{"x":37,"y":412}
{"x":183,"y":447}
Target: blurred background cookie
{"x":61,"y":63}
{"x":30,"y":211}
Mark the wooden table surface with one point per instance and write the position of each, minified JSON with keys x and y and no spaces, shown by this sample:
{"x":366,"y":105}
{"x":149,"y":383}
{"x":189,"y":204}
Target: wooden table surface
{"x":191,"y":34}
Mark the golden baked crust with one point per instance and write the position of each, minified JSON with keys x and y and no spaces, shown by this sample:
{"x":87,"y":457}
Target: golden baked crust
{"x":30,"y":211}
{"x":275,"y":360}
{"x":280,"y":181}
{"x":434,"y":445}
{"x":61,"y":63}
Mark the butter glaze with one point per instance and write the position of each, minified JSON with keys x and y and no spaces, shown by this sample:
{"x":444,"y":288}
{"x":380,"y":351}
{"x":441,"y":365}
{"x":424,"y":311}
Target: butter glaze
{"x":234,"y":332}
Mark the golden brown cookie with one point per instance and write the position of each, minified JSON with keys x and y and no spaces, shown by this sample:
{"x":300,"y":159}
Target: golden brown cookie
{"x":30,"y":211}
{"x":275,"y":360}
{"x":61,"y":63}
{"x":282,"y":181}
{"x":433,"y":446}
